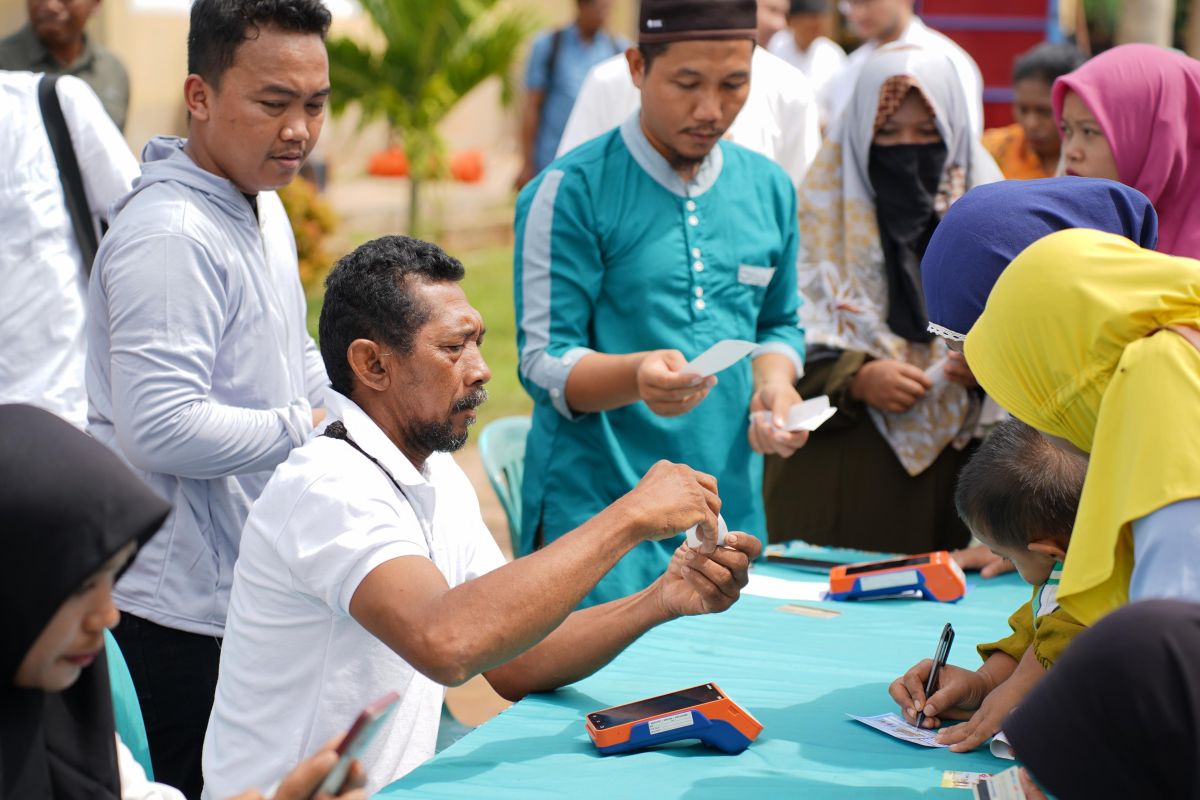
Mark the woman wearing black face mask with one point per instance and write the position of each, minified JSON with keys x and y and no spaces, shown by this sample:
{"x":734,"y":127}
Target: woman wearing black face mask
{"x":880,"y":475}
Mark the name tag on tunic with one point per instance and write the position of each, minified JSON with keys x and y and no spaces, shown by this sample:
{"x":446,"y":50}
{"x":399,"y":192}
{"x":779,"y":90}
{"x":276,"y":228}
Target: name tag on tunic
{"x":755,"y":276}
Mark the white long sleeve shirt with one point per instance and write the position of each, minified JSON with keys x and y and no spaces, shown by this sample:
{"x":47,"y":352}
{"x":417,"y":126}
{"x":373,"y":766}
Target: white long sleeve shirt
{"x":44,"y":298}
{"x":200,"y":371}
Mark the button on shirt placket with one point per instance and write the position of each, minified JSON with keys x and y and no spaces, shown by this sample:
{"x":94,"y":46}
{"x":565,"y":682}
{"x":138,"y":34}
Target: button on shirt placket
{"x":692,"y":237}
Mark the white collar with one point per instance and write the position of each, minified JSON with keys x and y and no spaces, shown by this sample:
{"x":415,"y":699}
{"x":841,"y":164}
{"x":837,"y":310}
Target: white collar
{"x":652,"y":162}
{"x":367,"y":434}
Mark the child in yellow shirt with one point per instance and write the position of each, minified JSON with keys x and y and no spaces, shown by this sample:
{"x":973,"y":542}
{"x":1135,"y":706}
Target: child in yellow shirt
{"x":1019,"y":495}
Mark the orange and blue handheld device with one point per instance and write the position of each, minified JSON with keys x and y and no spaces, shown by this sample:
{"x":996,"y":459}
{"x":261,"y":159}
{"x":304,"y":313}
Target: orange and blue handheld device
{"x":701,"y":712}
{"x":934,"y":576}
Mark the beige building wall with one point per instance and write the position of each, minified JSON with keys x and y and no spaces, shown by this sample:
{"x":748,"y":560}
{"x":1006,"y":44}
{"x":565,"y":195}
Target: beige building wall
{"x":150,"y":37}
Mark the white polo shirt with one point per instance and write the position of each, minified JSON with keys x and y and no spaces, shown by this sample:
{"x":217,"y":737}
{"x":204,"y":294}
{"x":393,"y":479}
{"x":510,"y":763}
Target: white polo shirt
{"x":296,"y":668}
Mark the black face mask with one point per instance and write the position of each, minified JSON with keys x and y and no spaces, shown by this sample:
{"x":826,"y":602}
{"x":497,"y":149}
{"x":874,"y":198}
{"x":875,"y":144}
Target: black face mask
{"x":906,"y":178}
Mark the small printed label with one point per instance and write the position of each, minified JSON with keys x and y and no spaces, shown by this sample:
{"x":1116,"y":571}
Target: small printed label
{"x":755,"y":276}
{"x":671,"y":723}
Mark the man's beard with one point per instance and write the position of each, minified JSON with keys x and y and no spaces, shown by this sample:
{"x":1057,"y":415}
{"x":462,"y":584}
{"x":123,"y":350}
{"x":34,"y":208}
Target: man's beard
{"x":440,"y":437}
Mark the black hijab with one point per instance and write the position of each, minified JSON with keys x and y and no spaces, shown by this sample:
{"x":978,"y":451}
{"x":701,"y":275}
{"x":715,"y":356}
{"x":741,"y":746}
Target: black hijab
{"x":67,"y":505}
{"x":905,"y":178}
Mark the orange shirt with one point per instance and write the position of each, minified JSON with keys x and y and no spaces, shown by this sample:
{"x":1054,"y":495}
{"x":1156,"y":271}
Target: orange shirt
{"x":1015,"y":158}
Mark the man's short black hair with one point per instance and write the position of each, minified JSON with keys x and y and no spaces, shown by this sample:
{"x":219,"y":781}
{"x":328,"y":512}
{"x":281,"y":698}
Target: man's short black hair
{"x":1047,"y":62}
{"x":650,"y":52}
{"x":1018,"y":487}
{"x":218,"y":28}
{"x":369,"y":295}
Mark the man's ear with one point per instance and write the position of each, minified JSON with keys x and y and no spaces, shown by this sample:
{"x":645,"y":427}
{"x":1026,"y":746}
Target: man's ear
{"x":637,"y":66}
{"x":198,"y":96}
{"x":366,"y":362}
{"x":1049,"y":547}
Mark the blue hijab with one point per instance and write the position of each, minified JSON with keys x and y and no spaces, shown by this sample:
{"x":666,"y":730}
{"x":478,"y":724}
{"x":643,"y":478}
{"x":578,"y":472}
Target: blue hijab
{"x":991,"y":224}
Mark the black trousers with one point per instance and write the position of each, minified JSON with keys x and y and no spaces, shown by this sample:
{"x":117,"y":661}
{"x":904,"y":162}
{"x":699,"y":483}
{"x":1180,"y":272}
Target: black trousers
{"x":175,"y":674}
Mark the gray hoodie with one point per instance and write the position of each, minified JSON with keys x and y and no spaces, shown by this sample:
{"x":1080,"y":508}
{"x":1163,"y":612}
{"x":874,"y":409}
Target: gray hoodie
{"x":200,"y":372}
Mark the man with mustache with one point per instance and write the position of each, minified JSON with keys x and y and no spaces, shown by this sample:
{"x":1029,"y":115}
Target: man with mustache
{"x":366,"y":567}
{"x":634,"y":253}
{"x":200,"y":371}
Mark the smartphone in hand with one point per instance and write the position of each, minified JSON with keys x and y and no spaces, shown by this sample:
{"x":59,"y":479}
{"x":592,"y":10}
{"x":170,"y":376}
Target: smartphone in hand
{"x":357,"y":740}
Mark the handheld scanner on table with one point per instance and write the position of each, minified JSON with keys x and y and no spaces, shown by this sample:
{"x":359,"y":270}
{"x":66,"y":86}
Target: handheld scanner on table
{"x":935,"y":576}
{"x":701,"y":712}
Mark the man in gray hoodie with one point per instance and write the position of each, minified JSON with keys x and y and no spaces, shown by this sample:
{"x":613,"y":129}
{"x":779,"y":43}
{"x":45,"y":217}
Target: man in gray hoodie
{"x":200,"y":371}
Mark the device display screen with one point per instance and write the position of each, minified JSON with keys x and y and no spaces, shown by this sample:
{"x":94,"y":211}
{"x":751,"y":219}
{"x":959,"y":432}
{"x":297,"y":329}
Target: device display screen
{"x":878,"y":565}
{"x":814,"y":564}
{"x":663,"y":704}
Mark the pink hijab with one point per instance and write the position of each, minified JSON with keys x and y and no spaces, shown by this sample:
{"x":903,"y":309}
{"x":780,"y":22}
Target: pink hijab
{"x":1147,"y":101}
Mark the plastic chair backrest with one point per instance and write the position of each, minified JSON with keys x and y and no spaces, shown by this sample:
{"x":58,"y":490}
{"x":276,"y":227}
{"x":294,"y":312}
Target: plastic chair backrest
{"x":502,"y":450}
{"x":127,"y":711}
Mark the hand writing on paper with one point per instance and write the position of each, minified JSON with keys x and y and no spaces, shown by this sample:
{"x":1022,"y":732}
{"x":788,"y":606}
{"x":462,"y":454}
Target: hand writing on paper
{"x":665,"y":388}
{"x":888,"y":385}
{"x":695,"y":583}
{"x":767,"y":432}
{"x":958,"y":694}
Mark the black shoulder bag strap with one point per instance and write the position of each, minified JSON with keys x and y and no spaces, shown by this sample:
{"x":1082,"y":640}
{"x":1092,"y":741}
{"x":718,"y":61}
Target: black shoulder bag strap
{"x":68,"y":170}
{"x":337,"y":430}
{"x":551,"y":64}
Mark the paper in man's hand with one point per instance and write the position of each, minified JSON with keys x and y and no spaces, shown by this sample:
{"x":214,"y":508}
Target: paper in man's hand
{"x":720,"y":356}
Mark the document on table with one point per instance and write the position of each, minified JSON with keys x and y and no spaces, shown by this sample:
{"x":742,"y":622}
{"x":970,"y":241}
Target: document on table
{"x":722,"y":355}
{"x":782,"y":589}
{"x":1002,"y":786}
{"x":894,"y":726}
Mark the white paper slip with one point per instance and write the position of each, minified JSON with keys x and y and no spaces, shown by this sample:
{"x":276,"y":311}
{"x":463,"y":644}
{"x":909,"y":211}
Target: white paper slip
{"x":783,"y":589}
{"x":897,"y":728}
{"x":810,"y":415}
{"x":1001,"y":748}
{"x":722,"y":355}
{"x":1003,"y":786}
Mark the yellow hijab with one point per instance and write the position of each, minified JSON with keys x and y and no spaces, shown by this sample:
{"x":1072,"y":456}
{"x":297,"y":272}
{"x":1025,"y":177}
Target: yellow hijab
{"x":1070,"y":343}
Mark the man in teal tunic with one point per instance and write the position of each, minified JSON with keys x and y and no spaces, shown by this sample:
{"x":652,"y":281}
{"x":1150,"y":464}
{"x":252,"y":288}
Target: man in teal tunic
{"x":635,"y":253}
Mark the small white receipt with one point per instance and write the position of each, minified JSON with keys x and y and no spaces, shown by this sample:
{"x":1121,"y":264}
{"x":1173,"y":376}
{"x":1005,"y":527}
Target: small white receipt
{"x":671,"y":723}
{"x":806,"y":416}
{"x":722,"y":355}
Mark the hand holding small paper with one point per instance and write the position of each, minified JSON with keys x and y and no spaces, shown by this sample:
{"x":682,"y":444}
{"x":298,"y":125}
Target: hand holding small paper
{"x":769,"y":410}
{"x":667,"y":388}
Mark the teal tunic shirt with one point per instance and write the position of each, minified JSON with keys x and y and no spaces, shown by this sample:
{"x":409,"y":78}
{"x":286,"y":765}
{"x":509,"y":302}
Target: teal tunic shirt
{"x":615,"y":254}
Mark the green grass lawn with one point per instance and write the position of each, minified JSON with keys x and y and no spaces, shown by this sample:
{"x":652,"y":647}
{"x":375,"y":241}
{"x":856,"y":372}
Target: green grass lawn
{"x":489,"y":288}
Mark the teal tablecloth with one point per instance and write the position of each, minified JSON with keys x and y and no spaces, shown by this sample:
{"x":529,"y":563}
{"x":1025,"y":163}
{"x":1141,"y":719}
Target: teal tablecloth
{"x":798,"y":675}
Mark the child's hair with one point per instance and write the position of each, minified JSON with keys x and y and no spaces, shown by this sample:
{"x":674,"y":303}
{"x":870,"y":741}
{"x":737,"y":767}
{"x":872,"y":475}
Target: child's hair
{"x":1019,"y":487}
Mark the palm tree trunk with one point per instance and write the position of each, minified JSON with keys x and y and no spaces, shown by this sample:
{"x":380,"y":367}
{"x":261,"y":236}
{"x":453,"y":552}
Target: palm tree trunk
{"x":414,"y":215}
{"x":1147,"y":21}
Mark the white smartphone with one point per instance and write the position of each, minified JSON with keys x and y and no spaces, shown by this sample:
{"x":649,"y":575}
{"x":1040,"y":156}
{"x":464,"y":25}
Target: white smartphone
{"x":356,"y":741}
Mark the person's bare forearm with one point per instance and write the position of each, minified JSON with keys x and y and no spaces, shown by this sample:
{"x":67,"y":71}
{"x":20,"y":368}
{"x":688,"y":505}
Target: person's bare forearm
{"x":770,"y":368}
{"x":602,"y":382}
{"x":584,"y":643}
{"x":998,"y":668}
{"x":531,"y":116}
{"x":485,"y":622}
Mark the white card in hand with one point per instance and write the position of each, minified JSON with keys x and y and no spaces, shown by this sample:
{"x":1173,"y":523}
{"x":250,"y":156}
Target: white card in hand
{"x":806,"y":416}
{"x":722,"y":355}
